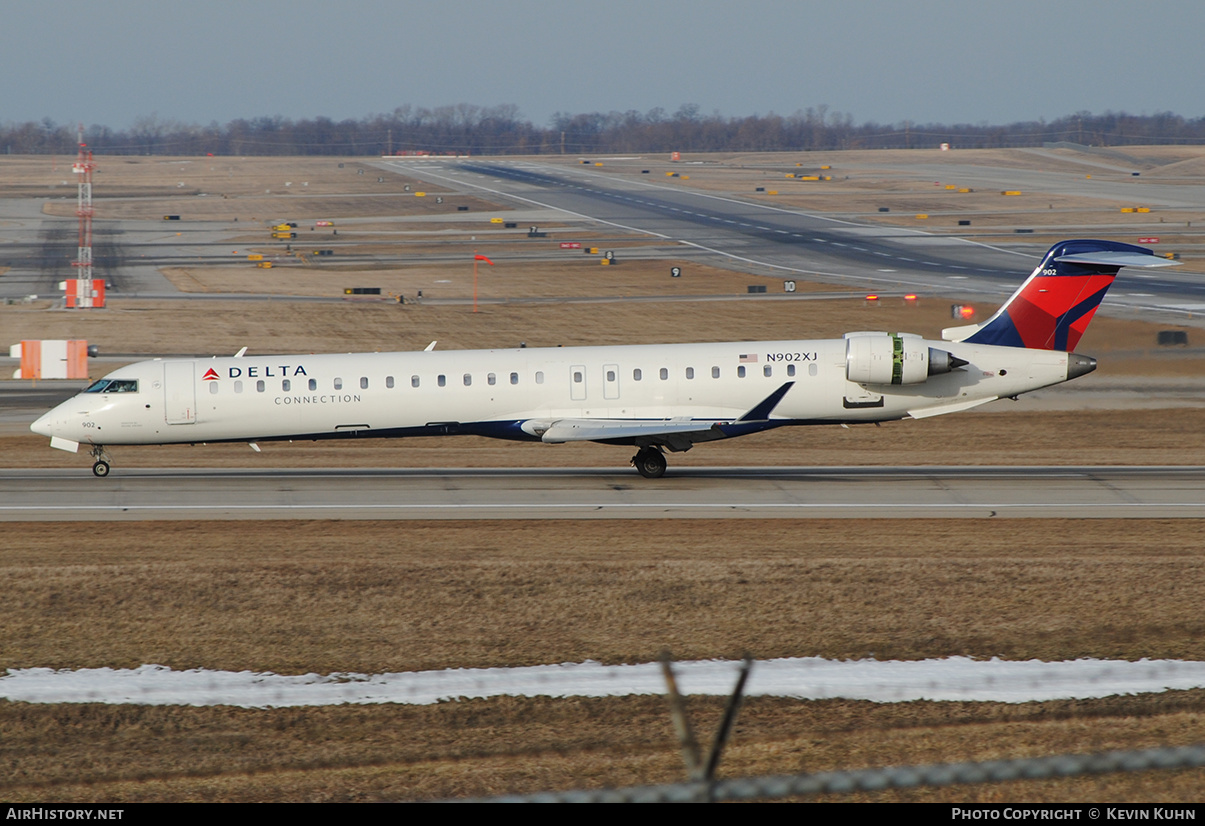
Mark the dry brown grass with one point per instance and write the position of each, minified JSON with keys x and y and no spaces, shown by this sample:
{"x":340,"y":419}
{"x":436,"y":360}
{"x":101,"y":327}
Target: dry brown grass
{"x":295,"y":597}
{"x":229,"y":189}
{"x":92,"y":753}
{"x":298,"y":597}
{"x":219,"y":327}
{"x":576,"y":277}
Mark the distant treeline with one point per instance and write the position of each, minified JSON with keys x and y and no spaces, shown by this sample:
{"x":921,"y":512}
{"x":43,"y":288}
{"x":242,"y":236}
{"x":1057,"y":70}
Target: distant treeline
{"x":496,"y":130}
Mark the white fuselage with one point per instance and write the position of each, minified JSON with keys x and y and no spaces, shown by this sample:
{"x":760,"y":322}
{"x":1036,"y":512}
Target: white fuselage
{"x":498,"y":392}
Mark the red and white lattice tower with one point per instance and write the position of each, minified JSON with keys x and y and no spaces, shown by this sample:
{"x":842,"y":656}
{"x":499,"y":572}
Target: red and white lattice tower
{"x":84,"y":291}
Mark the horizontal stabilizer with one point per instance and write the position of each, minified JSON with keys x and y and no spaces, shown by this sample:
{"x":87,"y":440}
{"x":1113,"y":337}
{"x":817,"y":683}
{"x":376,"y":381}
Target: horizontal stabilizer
{"x":1112,"y":258}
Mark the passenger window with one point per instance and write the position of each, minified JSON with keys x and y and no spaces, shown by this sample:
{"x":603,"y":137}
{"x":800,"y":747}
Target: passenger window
{"x":514,"y":378}
{"x":363,"y":382}
{"x":767,"y":370}
{"x":313,"y":384}
{"x":715,"y":372}
{"x":468,"y":380}
{"x":285,"y":385}
{"x":539,"y":377}
{"x":338,"y":384}
{"x":259,"y":386}
{"x":790,"y":369}
{"x":690,"y":372}
{"x":389,"y":382}
{"x":813,"y":369}
{"x":664,"y":373}
{"x":213,"y":388}
{"x":414,"y":381}
{"x":610,"y":375}
{"x":577,"y":376}
{"x":491,"y":379}
{"x":238,"y":387}
{"x":442,"y":381}
{"x":740,"y":372}
{"x":636,"y":374}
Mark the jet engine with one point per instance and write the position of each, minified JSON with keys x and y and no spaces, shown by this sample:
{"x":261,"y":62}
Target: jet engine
{"x":894,"y":358}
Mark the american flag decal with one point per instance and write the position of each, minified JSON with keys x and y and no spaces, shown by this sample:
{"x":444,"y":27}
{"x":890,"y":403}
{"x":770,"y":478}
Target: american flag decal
{"x":746,"y":358}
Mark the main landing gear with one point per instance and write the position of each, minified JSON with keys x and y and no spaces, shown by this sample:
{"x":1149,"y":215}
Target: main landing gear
{"x":101,"y":467}
{"x":650,"y":461}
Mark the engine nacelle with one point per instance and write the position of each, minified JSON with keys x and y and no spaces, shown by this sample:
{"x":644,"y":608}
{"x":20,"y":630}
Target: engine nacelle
{"x":894,"y":358}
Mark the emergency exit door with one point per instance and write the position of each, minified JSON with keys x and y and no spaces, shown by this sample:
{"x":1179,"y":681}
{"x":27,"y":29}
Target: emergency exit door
{"x":179,"y":392}
{"x":610,"y":381}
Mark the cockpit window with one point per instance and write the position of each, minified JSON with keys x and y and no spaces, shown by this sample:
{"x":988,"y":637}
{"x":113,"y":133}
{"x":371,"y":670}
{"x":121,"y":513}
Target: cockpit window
{"x":114,"y":386}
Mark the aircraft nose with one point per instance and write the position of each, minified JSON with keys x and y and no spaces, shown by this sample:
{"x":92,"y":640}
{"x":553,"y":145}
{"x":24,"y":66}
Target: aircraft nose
{"x":45,"y":426}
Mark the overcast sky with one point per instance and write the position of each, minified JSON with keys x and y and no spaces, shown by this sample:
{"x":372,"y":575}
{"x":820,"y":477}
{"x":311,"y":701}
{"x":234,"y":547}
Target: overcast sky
{"x":928,"y":61}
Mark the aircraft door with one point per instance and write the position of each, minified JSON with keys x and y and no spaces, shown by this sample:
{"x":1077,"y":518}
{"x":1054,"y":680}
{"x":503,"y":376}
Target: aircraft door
{"x":179,"y":392}
{"x":577,"y":383}
{"x":610,"y":381}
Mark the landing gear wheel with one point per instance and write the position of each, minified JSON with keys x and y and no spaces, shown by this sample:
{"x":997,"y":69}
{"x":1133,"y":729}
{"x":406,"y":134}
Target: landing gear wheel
{"x":101,"y":468}
{"x":650,"y":462}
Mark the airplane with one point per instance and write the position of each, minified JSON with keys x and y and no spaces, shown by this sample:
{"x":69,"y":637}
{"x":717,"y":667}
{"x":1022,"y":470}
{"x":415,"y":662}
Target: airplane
{"x":656,"y":398}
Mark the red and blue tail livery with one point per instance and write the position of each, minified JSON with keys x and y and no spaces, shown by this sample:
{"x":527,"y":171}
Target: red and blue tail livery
{"x":1052,"y":309}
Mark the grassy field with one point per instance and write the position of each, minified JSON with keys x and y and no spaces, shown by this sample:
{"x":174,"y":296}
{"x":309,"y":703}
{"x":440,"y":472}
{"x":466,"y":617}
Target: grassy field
{"x":218,"y":327}
{"x":375,"y":597}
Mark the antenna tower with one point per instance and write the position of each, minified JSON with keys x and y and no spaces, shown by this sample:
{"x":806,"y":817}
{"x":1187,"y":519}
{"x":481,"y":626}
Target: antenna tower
{"x":83,"y":168}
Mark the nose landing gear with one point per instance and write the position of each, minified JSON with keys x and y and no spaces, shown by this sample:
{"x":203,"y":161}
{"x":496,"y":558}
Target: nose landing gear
{"x":650,"y":461}
{"x":101,"y":466}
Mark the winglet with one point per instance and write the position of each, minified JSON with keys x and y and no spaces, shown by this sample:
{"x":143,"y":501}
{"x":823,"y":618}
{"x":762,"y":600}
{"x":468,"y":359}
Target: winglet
{"x":762,"y":411}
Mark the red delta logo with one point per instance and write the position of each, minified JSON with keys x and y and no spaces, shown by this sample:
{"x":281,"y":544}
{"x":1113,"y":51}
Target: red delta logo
{"x":210,"y":375}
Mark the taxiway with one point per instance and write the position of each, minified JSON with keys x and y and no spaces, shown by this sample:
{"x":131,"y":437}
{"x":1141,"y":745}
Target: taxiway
{"x":590,"y":493}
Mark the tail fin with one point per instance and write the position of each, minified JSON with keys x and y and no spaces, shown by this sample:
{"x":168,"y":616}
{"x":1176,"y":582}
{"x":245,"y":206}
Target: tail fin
{"x":1051,"y":310}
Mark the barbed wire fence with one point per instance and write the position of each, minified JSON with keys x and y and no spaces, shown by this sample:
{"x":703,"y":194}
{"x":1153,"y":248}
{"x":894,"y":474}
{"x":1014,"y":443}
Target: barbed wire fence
{"x":874,"y":780}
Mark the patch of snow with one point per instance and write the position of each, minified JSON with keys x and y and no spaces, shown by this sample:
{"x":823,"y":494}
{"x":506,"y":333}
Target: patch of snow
{"x":954,"y":678}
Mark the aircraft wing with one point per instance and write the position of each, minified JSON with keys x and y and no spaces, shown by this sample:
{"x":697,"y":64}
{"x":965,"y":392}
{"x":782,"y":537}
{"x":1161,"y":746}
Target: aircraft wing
{"x":677,"y":434}
{"x":597,"y":430}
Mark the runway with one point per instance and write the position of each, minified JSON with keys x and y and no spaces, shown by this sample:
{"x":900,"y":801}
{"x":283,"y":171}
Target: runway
{"x":775,"y":241}
{"x":770,"y":239}
{"x":592,"y":493}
